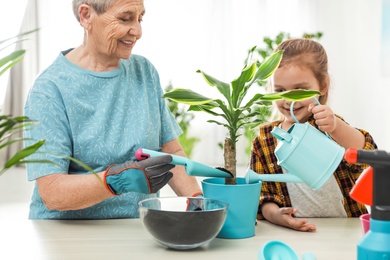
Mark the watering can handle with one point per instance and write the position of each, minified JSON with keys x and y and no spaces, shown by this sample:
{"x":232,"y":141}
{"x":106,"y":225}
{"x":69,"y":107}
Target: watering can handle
{"x":295,"y":119}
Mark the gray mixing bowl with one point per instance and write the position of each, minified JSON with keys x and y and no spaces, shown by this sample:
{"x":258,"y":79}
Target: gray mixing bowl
{"x":172,"y":224}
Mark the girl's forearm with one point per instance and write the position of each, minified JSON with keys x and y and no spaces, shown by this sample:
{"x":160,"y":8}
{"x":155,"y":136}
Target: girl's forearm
{"x":347,"y":136}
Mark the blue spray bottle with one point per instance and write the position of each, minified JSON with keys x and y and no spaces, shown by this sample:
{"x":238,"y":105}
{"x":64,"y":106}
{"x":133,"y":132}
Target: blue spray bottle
{"x":376,"y":242}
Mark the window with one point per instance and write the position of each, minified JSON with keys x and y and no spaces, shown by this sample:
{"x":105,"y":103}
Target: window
{"x":11,"y":19}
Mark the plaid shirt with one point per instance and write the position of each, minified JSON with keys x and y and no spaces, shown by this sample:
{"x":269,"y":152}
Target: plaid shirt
{"x":264,"y":161}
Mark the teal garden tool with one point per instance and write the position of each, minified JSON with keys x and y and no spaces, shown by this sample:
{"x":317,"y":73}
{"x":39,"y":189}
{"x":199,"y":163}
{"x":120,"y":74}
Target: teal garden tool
{"x":192,"y":168}
{"x":278,"y":250}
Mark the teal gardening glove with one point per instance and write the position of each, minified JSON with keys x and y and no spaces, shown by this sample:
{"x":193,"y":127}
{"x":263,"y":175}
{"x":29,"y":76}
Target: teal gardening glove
{"x":147,"y":176}
{"x":195,"y":203}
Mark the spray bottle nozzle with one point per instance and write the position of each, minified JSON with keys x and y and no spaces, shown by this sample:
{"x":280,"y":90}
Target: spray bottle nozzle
{"x":351,"y":155}
{"x":372,"y":157}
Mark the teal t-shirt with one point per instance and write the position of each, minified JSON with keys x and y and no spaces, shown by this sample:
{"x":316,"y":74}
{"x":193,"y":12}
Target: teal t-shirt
{"x":99,"y":118}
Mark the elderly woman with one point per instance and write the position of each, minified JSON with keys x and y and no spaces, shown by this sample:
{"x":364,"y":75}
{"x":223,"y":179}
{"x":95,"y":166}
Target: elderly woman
{"x":98,"y":104}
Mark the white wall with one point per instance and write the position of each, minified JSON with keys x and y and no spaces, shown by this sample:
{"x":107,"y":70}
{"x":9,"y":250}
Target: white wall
{"x":7,"y":32}
{"x":353,"y":40}
{"x":181,"y":37}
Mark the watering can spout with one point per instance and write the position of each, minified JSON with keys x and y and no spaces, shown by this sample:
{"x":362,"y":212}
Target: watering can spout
{"x":252,"y":177}
{"x":281,"y":135}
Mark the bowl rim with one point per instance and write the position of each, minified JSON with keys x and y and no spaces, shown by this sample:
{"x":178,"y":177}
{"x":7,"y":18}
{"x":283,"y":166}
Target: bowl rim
{"x":225,"y":207}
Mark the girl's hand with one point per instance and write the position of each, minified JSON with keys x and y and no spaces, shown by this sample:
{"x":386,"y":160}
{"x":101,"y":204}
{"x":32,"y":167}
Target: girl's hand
{"x":324,"y":116}
{"x":284,"y":217}
{"x":287,"y":220}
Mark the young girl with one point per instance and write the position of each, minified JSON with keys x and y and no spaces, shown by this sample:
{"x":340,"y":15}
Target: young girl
{"x":305,"y":66}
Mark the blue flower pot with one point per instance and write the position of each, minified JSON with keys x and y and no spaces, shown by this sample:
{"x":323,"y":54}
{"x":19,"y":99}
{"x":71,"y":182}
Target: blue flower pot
{"x":243,"y":200}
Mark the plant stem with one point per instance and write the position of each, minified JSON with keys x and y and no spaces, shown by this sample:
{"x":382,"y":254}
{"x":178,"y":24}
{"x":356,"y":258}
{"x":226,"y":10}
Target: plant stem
{"x":230,"y":160}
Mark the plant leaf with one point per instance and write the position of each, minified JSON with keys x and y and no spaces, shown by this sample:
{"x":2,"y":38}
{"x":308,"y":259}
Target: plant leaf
{"x":223,"y":88}
{"x":19,"y":35}
{"x":207,"y":109}
{"x":218,"y":123}
{"x":197,"y":108}
{"x":16,"y":140}
{"x":202,"y":108}
{"x":292,"y":95}
{"x":86,"y":167}
{"x":10,"y":60}
{"x":300,"y":94}
{"x":17,"y":157}
{"x":187,"y":96}
{"x":28,"y":161}
{"x":267,"y":68}
{"x":255,"y":98}
{"x":239,"y":83}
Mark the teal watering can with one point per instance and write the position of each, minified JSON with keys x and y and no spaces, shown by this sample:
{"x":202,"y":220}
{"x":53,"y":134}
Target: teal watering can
{"x":309,"y":155}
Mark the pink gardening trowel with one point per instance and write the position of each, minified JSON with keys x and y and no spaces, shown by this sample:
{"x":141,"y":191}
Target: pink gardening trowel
{"x":362,"y":191}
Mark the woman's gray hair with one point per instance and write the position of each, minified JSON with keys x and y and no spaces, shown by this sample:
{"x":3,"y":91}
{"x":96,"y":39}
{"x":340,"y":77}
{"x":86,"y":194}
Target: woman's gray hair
{"x":100,"y":6}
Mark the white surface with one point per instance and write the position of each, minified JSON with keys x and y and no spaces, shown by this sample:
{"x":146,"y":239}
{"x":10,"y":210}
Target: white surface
{"x":127,"y":239}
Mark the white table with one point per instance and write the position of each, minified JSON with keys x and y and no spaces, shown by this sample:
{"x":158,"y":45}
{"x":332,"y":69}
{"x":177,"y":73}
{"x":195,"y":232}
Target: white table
{"x":127,"y":239}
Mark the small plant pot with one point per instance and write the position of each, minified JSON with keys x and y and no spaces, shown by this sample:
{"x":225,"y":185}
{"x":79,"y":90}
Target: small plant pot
{"x":243,"y":200}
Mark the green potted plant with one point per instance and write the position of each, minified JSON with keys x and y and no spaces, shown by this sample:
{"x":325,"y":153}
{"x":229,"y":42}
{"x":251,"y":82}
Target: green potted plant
{"x":236,"y":110}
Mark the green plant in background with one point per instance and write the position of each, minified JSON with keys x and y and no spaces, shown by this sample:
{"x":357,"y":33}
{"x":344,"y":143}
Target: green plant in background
{"x":234,"y":109}
{"x":183,"y":118}
{"x":16,"y":56}
{"x":10,"y":125}
{"x":270,"y":44}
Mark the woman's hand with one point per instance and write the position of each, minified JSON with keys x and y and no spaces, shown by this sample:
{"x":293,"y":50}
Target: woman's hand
{"x":284,"y":217}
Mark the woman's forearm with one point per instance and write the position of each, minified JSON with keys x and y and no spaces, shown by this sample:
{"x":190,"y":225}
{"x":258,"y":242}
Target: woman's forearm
{"x":72,"y":191}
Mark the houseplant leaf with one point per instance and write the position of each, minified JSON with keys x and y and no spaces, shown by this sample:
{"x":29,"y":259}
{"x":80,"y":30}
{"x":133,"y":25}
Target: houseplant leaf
{"x":268,"y":67}
{"x":223,"y":88}
{"x":187,"y":96}
{"x":18,"y":36}
{"x":10,"y":60}
{"x":292,"y":95}
{"x":20,"y":155}
{"x":238,"y":84}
